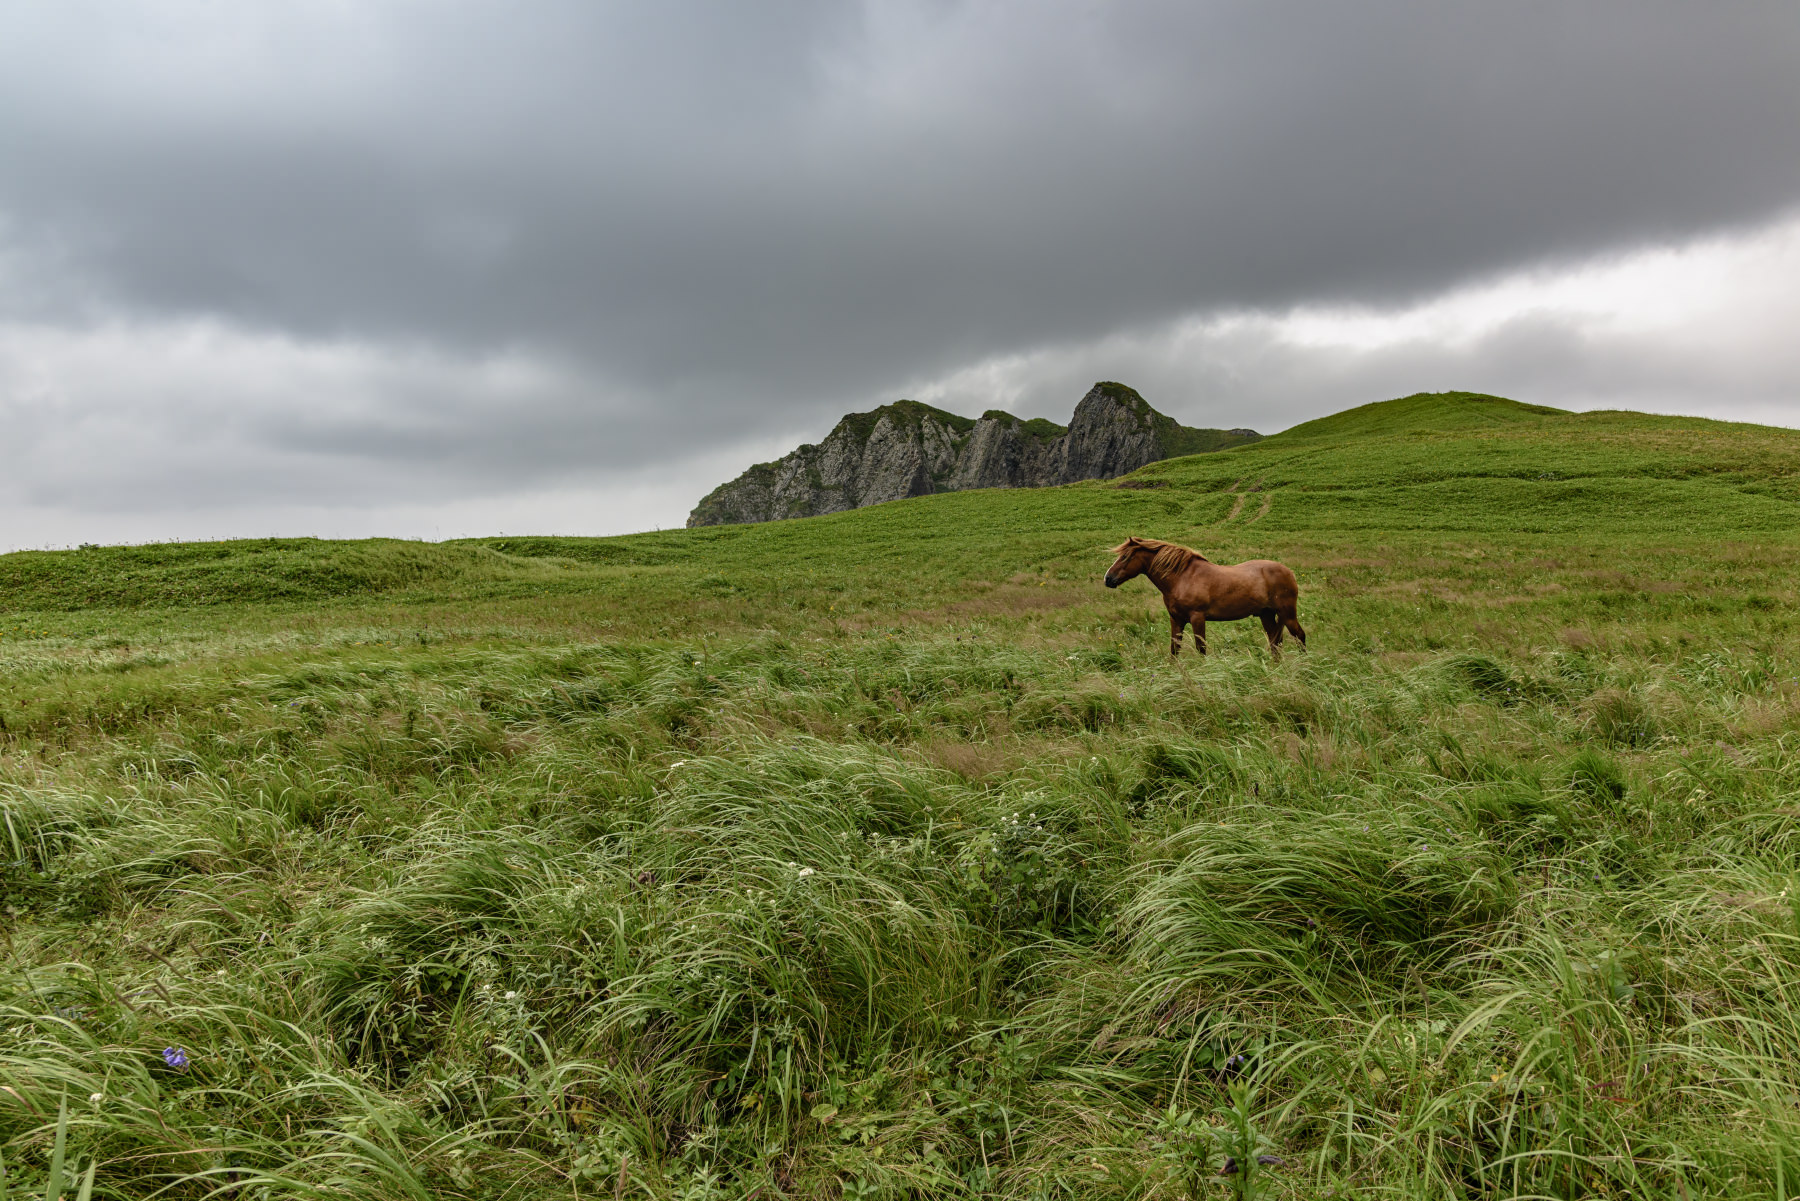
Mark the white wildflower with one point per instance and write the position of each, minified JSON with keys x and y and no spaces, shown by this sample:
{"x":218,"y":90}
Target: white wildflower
{"x":96,"y":1098}
{"x":805,"y":872}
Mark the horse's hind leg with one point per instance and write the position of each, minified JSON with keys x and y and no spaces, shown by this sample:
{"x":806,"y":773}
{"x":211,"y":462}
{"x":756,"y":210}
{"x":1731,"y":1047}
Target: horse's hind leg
{"x":1272,"y":628}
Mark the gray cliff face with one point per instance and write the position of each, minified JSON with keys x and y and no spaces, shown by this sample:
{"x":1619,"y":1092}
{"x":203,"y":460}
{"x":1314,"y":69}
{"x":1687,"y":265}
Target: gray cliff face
{"x":1107,"y":437}
{"x":911,"y":449}
{"x":1001,"y":453}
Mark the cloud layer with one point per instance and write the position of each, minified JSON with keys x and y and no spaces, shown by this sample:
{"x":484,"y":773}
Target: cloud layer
{"x":382,"y":261}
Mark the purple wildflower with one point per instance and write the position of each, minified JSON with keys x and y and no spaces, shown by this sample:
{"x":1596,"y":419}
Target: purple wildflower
{"x":176,"y":1058}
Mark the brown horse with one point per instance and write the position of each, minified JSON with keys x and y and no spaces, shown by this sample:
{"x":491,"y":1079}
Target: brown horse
{"x":1196,"y":590}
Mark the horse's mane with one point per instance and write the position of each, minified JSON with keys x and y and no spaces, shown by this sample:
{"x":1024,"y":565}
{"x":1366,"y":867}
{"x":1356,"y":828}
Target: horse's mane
{"x":1169,"y":557}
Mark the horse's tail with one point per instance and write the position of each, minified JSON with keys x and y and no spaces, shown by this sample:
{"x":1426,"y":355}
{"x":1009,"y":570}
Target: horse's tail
{"x":1284,"y":598}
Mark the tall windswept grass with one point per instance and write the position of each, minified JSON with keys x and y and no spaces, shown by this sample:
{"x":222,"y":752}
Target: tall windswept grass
{"x":618,"y":919}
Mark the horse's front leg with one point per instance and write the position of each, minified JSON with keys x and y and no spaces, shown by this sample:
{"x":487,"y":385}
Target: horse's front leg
{"x":1200,"y":633}
{"x":1176,"y":621}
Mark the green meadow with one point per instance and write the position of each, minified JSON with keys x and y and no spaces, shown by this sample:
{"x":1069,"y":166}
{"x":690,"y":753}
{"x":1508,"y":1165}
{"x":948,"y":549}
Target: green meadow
{"x":889,"y":855}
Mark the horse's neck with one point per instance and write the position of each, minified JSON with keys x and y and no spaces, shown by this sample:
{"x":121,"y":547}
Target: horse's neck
{"x":1166,"y":577}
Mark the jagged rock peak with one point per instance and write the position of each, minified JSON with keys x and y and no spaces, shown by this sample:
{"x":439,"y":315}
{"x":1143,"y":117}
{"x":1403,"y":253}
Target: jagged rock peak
{"x":912,"y":449}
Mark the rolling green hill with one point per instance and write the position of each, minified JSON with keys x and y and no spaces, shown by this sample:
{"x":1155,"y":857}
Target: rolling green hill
{"x":1459,"y":461}
{"x":1436,"y":412}
{"x":885,"y":854}
{"x":1448,"y":464}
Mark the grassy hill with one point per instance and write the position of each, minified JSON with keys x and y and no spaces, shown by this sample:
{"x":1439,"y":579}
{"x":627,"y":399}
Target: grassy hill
{"x":886,"y":854}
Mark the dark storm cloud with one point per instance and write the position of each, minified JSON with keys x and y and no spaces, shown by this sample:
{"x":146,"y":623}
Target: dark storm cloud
{"x":714,"y":219}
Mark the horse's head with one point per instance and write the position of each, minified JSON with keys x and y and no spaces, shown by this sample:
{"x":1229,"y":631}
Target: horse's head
{"x":1134,"y":556}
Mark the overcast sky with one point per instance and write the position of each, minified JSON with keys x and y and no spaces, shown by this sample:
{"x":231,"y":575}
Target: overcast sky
{"x":445,"y":267}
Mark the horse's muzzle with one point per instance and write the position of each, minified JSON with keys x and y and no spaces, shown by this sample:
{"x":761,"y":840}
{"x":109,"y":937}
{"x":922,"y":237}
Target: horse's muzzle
{"x":1111,"y":583}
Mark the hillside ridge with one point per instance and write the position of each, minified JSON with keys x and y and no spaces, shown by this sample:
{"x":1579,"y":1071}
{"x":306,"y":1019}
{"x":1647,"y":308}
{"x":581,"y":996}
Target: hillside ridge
{"x":1439,"y":473}
{"x":907,"y":449}
{"x":1422,"y":411}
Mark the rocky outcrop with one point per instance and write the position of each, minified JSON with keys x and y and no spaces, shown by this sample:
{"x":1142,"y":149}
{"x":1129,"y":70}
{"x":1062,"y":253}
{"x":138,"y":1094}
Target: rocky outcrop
{"x":911,"y":449}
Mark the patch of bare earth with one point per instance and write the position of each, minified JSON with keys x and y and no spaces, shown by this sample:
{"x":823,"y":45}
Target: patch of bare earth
{"x":1005,"y":600}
